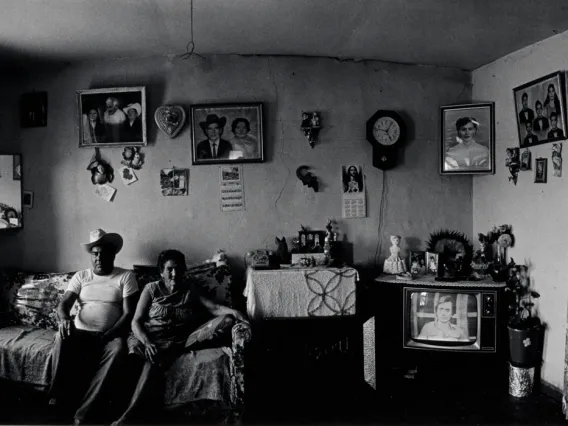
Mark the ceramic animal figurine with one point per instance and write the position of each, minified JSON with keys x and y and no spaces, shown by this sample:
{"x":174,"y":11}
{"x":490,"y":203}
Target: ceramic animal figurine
{"x":282,"y":250}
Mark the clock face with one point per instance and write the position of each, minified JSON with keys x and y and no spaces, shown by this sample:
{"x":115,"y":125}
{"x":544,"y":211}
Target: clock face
{"x":386,"y":131}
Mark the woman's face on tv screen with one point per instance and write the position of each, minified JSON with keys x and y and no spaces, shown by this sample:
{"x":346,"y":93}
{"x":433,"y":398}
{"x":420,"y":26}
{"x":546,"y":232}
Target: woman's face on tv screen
{"x":444,"y":311}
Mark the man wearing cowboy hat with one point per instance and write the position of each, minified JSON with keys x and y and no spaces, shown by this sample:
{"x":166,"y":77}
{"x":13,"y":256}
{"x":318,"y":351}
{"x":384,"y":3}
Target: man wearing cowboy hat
{"x":213,"y":146}
{"x":113,"y":119}
{"x":132,"y":127}
{"x":92,"y":347}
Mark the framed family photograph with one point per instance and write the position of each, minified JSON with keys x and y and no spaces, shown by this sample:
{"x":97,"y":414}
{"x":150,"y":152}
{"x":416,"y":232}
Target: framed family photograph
{"x":541,"y":110}
{"x":467,"y":139}
{"x":417,"y":262}
{"x":432,"y":263}
{"x":311,"y":241}
{"x":227,"y":133}
{"x":540,"y":170}
{"x":112,"y":117}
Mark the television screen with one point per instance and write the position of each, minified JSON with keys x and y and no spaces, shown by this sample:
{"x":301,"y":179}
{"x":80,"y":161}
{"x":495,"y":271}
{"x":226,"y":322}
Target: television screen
{"x":443,"y":317}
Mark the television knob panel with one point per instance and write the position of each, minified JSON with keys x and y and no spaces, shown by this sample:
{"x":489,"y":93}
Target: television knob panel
{"x":488,"y":305}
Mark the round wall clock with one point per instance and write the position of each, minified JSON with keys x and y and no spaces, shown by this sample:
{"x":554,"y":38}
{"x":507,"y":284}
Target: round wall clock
{"x":385,"y":131}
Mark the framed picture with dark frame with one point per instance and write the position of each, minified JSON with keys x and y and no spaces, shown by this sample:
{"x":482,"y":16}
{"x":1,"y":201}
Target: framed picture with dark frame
{"x":311,"y":241}
{"x":33,"y":109}
{"x":227,"y":133}
{"x":540,"y":170}
{"x":28,"y":199}
{"x":540,"y":109}
{"x":467,"y":139}
{"x":112,"y":117}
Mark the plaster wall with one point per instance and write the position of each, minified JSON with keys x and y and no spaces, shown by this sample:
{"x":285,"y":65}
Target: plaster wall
{"x":417,"y":200}
{"x":537,"y":211}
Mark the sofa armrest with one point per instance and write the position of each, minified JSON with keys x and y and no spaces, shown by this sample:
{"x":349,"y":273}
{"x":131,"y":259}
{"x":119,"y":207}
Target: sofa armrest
{"x":241,"y":334}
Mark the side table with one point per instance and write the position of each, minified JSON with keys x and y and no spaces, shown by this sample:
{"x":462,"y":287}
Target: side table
{"x":306,"y":336}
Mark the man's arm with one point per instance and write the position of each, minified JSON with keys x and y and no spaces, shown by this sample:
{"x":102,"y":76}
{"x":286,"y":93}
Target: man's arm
{"x":120,"y":328}
{"x":64,"y":313}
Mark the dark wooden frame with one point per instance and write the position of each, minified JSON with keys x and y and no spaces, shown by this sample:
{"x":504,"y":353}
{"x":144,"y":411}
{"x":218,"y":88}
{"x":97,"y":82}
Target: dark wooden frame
{"x":484,"y":113}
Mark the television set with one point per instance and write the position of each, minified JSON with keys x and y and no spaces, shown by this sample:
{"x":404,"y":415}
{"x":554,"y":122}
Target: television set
{"x":450,"y":319}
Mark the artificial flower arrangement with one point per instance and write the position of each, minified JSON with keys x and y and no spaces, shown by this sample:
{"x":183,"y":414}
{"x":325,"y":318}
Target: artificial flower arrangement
{"x":521,"y":299}
{"x":502,"y":238}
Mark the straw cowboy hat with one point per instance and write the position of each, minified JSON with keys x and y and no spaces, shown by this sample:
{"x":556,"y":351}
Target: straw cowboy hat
{"x":213,"y":118}
{"x":136,"y":106}
{"x":99,"y":237}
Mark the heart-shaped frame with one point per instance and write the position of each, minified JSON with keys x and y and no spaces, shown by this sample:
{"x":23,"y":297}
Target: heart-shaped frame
{"x":170,"y":119}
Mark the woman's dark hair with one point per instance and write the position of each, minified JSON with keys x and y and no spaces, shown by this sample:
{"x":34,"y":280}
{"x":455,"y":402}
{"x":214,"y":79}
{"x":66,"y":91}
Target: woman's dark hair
{"x":549,"y":86}
{"x":174,"y":255}
{"x":465,"y":120}
{"x":236,"y":121}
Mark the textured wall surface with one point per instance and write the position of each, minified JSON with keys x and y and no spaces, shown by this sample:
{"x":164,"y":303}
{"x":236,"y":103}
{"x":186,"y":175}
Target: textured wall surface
{"x":537,"y":211}
{"x":418,"y":199}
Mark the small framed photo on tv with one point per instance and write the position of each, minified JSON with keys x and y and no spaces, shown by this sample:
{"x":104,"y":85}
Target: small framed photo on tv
{"x":432,"y":263}
{"x":417,"y":262}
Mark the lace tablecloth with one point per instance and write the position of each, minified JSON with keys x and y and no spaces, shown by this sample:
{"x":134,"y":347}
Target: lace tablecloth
{"x":300,"y":292}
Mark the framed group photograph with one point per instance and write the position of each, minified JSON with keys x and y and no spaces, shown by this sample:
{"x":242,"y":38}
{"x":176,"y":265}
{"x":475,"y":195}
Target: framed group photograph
{"x":541,"y":110}
{"x":540,"y":170}
{"x":112,"y":117}
{"x":227,"y":133}
{"x":467,"y":139}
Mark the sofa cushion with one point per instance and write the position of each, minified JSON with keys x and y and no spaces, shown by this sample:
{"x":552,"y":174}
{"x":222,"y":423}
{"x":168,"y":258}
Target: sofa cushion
{"x":36,"y":300}
{"x":25,"y":354}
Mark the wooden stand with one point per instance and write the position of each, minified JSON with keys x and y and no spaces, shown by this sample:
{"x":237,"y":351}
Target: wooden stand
{"x":521,"y":381}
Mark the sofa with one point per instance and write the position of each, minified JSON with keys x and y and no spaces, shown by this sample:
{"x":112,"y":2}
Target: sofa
{"x":209,"y":377}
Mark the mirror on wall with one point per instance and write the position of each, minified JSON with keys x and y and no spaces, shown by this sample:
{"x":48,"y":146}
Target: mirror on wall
{"x":10,"y":191}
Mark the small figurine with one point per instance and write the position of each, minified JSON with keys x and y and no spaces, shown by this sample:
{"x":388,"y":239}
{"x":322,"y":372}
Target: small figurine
{"x":394,"y":264}
{"x":282,"y":251}
{"x":132,"y":157}
{"x":311,"y":126}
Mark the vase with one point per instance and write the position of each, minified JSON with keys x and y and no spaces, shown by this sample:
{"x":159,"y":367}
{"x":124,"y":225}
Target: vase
{"x":501,"y":255}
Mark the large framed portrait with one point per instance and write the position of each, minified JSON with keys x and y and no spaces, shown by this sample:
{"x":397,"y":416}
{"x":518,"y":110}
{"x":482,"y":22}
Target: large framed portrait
{"x":112,"y":117}
{"x":467,"y":139}
{"x":541,"y":110}
{"x":227,"y":133}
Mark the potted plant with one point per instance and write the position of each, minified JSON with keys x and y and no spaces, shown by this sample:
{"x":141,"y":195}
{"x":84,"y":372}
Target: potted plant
{"x":525,"y":327}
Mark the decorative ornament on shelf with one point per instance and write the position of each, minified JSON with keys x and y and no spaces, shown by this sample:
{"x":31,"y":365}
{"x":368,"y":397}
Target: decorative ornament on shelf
{"x":311,"y":125}
{"x":307,"y":178}
{"x":394,"y":264}
{"x":455,"y":254}
{"x":170,"y":119}
{"x":494,"y":246}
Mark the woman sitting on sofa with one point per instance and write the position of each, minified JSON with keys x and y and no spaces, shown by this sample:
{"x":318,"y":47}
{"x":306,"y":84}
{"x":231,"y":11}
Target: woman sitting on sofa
{"x":165,"y":317}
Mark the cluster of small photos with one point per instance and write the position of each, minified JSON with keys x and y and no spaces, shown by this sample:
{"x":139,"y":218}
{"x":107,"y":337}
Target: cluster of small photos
{"x":522,"y":161}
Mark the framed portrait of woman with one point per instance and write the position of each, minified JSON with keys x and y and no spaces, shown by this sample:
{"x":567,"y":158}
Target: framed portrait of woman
{"x":467,"y":143}
{"x":541,"y":110}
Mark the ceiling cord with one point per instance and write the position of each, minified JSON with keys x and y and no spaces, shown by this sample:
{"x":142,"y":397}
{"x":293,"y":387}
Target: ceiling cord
{"x":190,"y":48}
